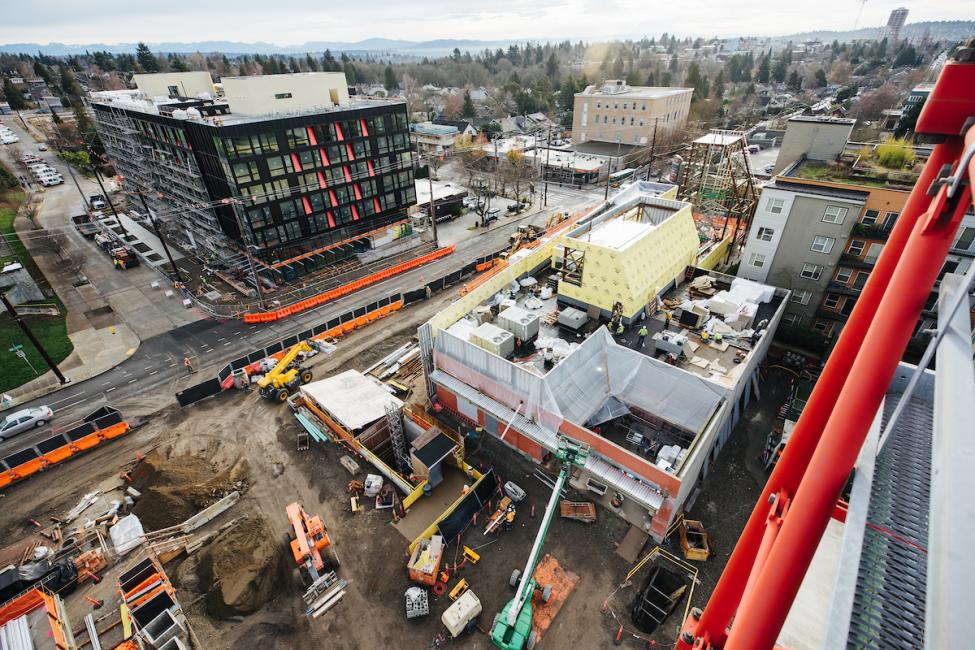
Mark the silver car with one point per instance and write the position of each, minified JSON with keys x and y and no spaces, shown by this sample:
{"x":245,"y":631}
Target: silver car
{"x":23,"y":420}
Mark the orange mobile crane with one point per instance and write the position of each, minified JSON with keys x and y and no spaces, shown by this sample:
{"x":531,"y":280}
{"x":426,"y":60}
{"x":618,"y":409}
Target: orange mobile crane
{"x":310,"y":544}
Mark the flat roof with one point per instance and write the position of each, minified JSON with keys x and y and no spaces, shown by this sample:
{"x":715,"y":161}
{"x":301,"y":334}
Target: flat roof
{"x":720,"y":139}
{"x":605,"y":149}
{"x":351,"y":398}
{"x":618,"y":233}
{"x":866,"y":174}
{"x":441,"y":191}
{"x":823,"y":119}
{"x":640,"y":92}
{"x":574,"y":160}
{"x":820,"y":190}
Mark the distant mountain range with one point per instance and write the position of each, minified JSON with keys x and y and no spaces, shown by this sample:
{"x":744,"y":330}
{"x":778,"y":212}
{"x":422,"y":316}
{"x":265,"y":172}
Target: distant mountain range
{"x":951,"y":30}
{"x":369,"y":45}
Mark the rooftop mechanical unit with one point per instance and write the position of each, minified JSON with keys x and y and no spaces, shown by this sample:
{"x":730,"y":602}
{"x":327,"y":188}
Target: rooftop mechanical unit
{"x":494,"y":339}
{"x":520,"y":322}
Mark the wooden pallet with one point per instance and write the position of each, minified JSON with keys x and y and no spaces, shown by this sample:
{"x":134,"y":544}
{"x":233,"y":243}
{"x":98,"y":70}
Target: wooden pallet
{"x":578,"y":510}
{"x":551,"y":317}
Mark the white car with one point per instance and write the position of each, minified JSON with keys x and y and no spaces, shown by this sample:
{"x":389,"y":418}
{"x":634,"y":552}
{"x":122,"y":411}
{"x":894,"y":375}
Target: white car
{"x":42,"y":147}
{"x":9,"y":139}
{"x":21,"y":421}
{"x":51,"y":181}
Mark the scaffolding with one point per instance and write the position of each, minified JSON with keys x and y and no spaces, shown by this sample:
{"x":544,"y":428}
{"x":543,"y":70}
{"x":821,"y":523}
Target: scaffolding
{"x":717,"y":181}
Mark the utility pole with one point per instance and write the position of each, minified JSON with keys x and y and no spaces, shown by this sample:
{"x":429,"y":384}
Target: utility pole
{"x":107,"y":198}
{"x":653,"y":148}
{"x":155,"y":227}
{"x":30,"y":335}
{"x":548,"y":157}
{"x":235,"y":205}
{"x":433,"y":204}
{"x":71,"y":173}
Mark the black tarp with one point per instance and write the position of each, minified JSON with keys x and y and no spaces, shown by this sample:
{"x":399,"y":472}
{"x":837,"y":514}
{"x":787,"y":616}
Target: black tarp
{"x":194,"y":394}
{"x":455,"y":523}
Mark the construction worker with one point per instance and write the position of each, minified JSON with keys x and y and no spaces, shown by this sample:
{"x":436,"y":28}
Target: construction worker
{"x":619,"y":328}
{"x":509,"y":519}
{"x":642,"y":334}
{"x":188,"y":364}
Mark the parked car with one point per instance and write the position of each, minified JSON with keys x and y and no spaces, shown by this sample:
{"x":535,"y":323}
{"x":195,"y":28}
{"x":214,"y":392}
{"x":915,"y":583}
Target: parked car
{"x":769,"y":168}
{"x":51,"y":181}
{"x":42,"y":147}
{"x":21,"y":421}
{"x":97,"y":202}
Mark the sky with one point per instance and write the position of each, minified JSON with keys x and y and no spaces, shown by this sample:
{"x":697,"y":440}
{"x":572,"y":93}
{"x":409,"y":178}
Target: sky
{"x":292,"y":22}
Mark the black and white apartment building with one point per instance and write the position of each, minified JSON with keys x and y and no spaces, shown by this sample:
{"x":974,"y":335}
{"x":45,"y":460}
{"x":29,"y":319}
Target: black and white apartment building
{"x":287,"y":164}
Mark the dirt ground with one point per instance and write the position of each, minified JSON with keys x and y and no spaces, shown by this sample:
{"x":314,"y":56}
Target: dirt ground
{"x":237,"y":440}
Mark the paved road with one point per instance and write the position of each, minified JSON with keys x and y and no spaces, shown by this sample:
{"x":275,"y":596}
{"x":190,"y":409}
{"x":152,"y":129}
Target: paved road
{"x":212,"y":343}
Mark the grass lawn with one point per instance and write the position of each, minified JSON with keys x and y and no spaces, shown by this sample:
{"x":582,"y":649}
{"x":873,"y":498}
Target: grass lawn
{"x":49,"y":330}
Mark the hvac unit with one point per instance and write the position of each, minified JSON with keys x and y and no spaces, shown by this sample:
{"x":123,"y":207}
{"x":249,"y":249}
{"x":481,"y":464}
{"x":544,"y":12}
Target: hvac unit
{"x":520,"y":322}
{"x":494,"y":339}
{"x":573,"y":319}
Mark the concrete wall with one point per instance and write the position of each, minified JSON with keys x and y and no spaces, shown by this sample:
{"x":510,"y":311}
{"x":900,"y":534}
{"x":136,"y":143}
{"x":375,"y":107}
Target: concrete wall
{"x":285,"y":93}
{"x":189,"y":84}
{"x":670,"y":111}
{"x":634,"y":275}
{"x":816,"y":140}
{"x":758,"y":251}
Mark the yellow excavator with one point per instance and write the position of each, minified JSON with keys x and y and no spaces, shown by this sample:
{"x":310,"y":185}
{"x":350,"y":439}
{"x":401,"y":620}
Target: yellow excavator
{"x":286,"y":376}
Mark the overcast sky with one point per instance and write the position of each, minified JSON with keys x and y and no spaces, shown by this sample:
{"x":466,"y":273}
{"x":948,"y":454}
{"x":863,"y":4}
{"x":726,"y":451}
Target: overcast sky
{"x":291,"y":22}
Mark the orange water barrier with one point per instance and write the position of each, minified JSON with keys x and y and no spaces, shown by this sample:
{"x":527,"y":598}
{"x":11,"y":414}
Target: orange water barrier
{"x":346,"y":289}
{"x":42,"y":462}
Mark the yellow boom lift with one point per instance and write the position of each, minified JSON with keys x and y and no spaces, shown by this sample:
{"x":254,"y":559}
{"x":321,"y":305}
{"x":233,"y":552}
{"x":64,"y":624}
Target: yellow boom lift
{"x":286,"y":376}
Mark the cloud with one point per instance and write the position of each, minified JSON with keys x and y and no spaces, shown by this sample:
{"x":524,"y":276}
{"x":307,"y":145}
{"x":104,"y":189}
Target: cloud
{"x":289,"y":22}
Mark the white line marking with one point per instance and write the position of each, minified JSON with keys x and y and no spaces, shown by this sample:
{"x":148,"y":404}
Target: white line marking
{"x":67,"y":406}
{"x":236,"y":333}
{"x":226,"y":344}
{"x":222,"y":338}
{"x":111,"y":389}
{"x":153,"y":372}
{"x":132,"y":381}
{"x":172,"y":365}
{"x":65,"y":399}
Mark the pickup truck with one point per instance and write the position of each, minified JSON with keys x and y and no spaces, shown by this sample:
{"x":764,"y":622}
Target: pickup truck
{"x":85,"y":226}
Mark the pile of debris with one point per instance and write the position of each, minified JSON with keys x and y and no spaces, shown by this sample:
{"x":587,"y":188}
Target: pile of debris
{"x":176,"y":488}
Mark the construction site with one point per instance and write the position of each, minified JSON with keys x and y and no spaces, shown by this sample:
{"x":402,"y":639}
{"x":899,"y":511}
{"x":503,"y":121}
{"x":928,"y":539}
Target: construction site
{"x":562,"y":450}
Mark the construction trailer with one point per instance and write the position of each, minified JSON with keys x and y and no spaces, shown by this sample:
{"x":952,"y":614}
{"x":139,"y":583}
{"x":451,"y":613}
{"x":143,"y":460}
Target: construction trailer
{"x":894,"y":567}
{"x":655,"y":416}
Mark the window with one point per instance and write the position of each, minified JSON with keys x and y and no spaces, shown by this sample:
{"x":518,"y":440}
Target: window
{"x":811,"y":271}
{"x":822,"y":244}
{"x":641,"y":121}
{"x":765,"y":234}
{"x":835,"y":214}
{"x":801,"y":297}
{"x":756,"y":260}
{"x":856,"y":247}
{"x":874,"y":252}
{"x":624,"y":106}
{"x":173,"y":91}
{"x":831,"y":300}
{"x":246,"y":172}
{"x":965,"y":239}
{"x":644,"y":107}
{"x":870,"y":217}
{"x":631,"y":121}
{"x":282,"y":95}
{"x":823,"y":326}
{"x":890,"y":219}
{"x":792,"y":319}
{"x":843,"y":275}
{"x":775,"y":206}
{"x":861,"y":280}
{"x":606,"y":119}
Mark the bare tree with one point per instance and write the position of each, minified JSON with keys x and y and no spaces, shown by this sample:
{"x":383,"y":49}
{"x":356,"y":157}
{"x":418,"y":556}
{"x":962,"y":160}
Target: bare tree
{"x":30,"y":209}
{"x":74,"y":262}
{"x":53,"y":242}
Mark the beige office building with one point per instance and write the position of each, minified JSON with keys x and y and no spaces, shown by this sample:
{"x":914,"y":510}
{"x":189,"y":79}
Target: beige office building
{"x":617,"y":113}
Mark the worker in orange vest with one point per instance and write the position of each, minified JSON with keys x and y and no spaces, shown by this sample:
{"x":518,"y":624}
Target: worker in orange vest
{"x":188,"y":364}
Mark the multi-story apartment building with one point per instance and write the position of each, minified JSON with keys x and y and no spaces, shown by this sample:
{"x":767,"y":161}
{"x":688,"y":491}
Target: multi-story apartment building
{"x":287,"y":164}
{"x":617,"y":113}
{"x":820,"y":228}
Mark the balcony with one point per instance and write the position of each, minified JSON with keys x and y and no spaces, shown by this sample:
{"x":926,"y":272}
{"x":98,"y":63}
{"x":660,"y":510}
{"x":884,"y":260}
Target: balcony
{"x":822,"y":312}
{"x":852,"y":260}
{"x":842,"y":289}
{"x":871,"y":231}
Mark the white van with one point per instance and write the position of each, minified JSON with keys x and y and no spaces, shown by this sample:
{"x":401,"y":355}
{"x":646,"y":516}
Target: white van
{"x":9,"y":139}
{"x":50,"y":181}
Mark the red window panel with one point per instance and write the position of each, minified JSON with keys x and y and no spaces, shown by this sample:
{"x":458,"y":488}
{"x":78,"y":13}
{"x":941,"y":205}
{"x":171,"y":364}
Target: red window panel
{"x":305,"y":202}
{"x":372,"y":170}
{"x":321,"y":154}
{"x":375,"y":203}
{"x":331,"y":219}
{"x":358,"y":192}
{"x":311,"y":135}
{"x":365,"y":129}
{"x":294,"y":159}
{"x":348,"y":148}
{"x":321,"y":180}
{"x":348,"y":175}
{"x":338,"y":132}
{"x":331,"y":195}
{"x":355,"y":214}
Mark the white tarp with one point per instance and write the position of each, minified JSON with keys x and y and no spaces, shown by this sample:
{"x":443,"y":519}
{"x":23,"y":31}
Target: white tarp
{"x":353,"y":399}
{"x":126,"y":534}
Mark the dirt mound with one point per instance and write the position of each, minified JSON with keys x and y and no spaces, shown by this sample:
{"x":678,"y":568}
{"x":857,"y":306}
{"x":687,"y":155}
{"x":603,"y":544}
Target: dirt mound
{"x":241,"y":570}
{"x":174,"y":489}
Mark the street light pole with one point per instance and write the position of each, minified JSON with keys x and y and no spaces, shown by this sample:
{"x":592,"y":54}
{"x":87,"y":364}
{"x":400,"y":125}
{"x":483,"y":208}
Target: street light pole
{"x":107,"y":198}
{"x":548,"y":157}
{"x":155,"y":227}
{"x":433,"y":204}
{"x":33,"y":339}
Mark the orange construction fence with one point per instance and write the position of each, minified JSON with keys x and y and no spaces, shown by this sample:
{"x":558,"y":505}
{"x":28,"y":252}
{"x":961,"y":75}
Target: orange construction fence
{"x":346,"y":289}
{"x":62,"y":453}
{"x":364,"y":235}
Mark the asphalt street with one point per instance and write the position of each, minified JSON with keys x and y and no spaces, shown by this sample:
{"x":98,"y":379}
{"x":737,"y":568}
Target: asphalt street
{"x":158,"y":363}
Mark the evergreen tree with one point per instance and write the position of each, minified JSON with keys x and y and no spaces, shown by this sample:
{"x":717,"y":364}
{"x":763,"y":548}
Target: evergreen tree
{"x":311,"y":63}
{"x":795,"y":81}
{"x":351,"y":76}
{"x":779,"y":71}
{"x":145,"y":57}
{"x":469,"y":109}
{"x":552,"y":66}
{"x":763,"y":74}
{"x":13,"y":96}
{"x":821,"y":81}
{"x":389,"y":79}
{"x":718,"y":87}
{"x":178,"y":65}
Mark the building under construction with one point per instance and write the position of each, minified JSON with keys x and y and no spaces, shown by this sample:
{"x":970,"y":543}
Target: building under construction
{"x":717,"y":180}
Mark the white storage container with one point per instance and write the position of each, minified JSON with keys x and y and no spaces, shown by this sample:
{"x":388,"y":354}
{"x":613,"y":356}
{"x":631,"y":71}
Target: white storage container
{"x":493,"y":339}
{"x":520,"y":322}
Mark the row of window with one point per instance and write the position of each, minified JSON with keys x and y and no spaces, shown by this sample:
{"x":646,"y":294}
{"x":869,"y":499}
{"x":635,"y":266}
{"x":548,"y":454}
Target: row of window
{"x":163,"y":133}
{"x":321,"y":134}
{"x":837,"y":214}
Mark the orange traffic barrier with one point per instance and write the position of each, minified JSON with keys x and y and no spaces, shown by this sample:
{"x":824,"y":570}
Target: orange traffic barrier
{"x":62,"y":453}
{"x":346,"y":289}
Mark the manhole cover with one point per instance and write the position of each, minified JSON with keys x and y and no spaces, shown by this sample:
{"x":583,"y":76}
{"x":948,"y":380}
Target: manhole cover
{"x":141,"y":247}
